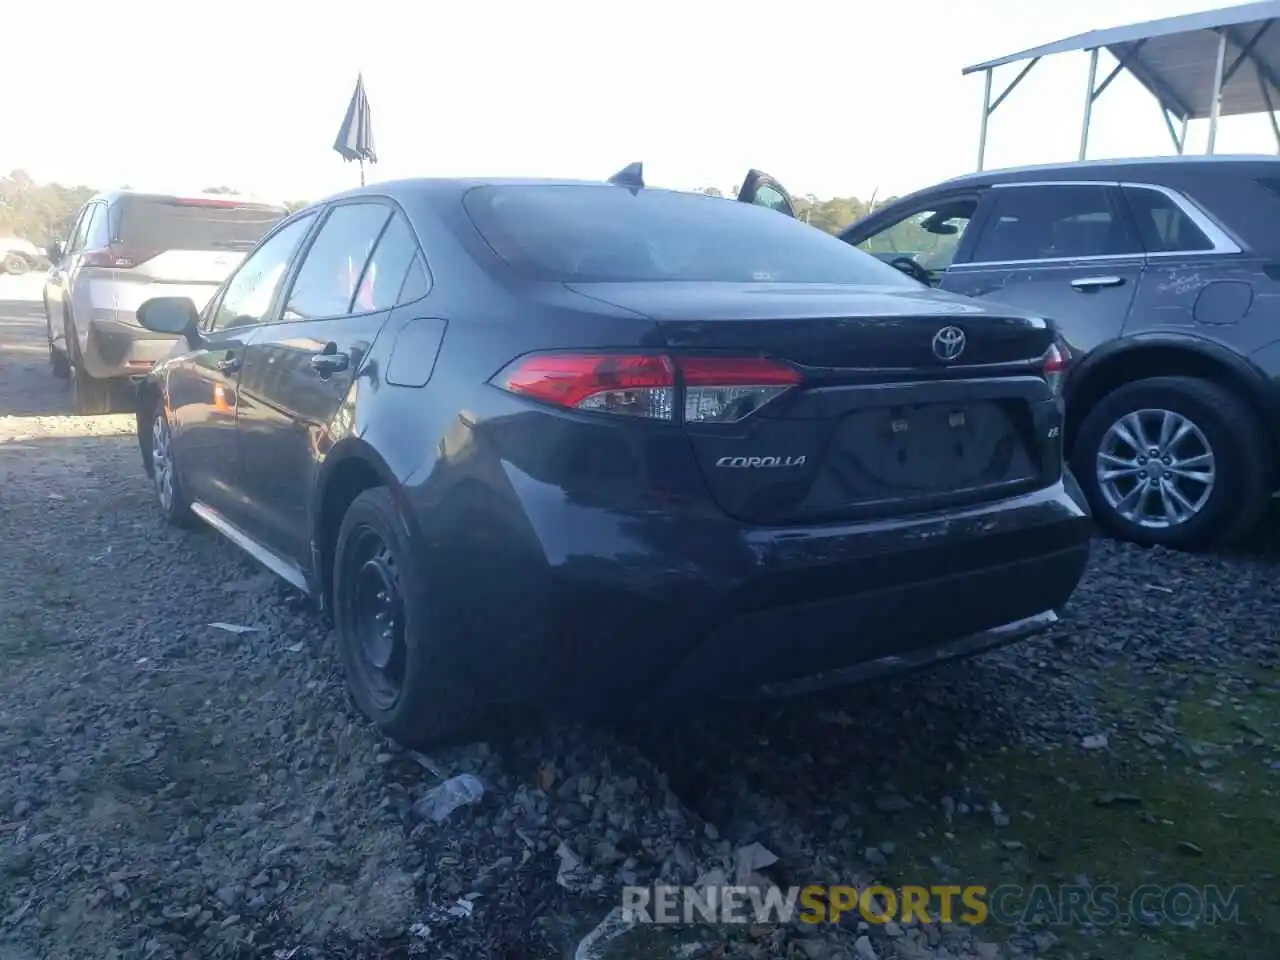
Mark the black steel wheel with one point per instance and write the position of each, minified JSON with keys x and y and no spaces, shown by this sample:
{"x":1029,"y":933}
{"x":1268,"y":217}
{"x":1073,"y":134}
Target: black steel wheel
{"x":398,"y":660}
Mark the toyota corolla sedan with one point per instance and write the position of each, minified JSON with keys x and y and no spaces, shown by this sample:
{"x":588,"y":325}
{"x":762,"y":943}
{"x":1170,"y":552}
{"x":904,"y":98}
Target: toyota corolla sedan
{"x":606,"y":445}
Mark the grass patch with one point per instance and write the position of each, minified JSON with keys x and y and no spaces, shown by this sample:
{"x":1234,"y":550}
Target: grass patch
{"x":1195,"y":807}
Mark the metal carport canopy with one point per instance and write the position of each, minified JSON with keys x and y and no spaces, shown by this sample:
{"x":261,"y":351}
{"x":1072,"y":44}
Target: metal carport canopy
{"x":1200,"y":65}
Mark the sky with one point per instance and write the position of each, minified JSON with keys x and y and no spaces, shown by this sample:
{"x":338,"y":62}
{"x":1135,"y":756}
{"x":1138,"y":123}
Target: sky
{"x":832,"y":97}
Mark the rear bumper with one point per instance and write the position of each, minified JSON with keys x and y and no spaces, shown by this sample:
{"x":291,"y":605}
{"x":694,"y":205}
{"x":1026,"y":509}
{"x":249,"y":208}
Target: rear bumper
{"x":113,"y":348}
{"x":627,"y":610}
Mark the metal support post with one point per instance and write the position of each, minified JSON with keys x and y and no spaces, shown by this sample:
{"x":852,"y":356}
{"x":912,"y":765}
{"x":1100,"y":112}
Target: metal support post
{"x":1216,"y":104}
{"x":1088,"y":102}
{"x":986,"y":115}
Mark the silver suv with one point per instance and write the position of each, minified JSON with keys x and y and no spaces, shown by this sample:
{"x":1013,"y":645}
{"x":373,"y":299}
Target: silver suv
{"x":125,"y":248}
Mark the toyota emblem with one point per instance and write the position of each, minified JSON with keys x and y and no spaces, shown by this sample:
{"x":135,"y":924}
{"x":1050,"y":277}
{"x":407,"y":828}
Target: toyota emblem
{"x":948,"y":343}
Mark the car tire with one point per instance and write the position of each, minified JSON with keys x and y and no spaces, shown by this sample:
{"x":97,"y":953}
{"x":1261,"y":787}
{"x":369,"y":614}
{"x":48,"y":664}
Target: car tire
{"x":398,"y":662}
{"x":1208,"y":419}
{"x":59,"y":365}
{"x":90,"y":396}
{"x":166,"y":478}
{"x":15,"y":264}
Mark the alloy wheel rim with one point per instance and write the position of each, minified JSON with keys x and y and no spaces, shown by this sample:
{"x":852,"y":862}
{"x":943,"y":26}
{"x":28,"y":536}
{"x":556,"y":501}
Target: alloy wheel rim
{"x":377,"y":617}
{"x":1155,"y":468}
{"x":162,"y":461}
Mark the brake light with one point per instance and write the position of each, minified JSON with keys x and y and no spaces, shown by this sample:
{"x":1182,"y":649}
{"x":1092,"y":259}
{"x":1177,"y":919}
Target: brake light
{"x":1055,"y":369}
{"x":650,"y":386}
{"x":211,"y":202}
{"x":116,"y":256}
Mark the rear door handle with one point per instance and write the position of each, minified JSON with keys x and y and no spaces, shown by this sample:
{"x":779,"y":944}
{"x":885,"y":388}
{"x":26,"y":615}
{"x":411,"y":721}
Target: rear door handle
{"x":1093,"y":283}
{"x":327,"y":363}
{"x":230,"y":365}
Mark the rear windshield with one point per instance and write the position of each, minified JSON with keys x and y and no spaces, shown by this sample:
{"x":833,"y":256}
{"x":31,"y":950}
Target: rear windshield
{"x":609,"y":233}
{"x":168,"y":223}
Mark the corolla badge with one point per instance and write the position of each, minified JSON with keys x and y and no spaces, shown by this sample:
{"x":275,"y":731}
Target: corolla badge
{"x":948,"y":343}
{"x":758,"y":463}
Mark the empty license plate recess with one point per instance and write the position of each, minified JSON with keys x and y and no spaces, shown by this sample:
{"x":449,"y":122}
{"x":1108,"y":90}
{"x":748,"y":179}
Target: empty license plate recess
{"x":929,"y":447}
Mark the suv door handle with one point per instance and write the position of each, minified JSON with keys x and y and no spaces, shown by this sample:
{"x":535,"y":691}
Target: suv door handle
{"x":327,"y":363}
{"x":1093,"y":283}
{"x":230,"y":365}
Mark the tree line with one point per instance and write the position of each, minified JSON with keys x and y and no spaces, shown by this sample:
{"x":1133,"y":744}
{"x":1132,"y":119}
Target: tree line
{"x":40,"y":212}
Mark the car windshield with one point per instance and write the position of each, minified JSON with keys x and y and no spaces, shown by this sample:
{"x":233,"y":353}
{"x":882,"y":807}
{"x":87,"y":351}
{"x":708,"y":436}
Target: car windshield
{"x":608,"y":233}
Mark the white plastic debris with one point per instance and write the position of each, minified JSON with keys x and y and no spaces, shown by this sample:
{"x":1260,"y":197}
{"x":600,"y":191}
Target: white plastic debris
{"x":750,"y":858}
{"x":571,"y":873}
{"x":1096,"y":741}
{"x":442,"y":799}
{"x":591,"y":947}
{"x":235,"y":628}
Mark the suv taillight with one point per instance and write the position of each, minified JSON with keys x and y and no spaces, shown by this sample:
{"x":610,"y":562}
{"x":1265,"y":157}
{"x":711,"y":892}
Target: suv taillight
{"x":700,"y":389}
{"x":116,"y":256}
{"x":1055,"y":369}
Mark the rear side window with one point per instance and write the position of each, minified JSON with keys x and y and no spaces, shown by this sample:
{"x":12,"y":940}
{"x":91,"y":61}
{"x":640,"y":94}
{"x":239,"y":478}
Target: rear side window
{"x":98,"y":236}
{"x":417,"y":283}
{"x":384,"y":276}
{"x":1054,"y":223}
{"x":173,"y":223}
{"x":1163,"y":225}
{"x":326,"y":281}
{"x":587,"y":232}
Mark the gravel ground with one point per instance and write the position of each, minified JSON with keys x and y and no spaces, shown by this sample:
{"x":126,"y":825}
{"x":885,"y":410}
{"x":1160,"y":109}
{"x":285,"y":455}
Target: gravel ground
{"x":173,"y":789}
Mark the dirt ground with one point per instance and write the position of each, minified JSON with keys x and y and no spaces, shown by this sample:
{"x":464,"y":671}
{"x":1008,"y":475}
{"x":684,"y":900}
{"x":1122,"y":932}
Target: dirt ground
{"x":174,"y":789}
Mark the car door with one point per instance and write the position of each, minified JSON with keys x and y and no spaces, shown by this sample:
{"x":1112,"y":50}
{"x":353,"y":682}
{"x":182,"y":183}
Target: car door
{"x":300,"y":374}
{"x":58,"y":289}
{"x":921,"y":236}
{"x":1067,"y":251}
{"x":764,"y":191}
{"x":55,"y":287}
{"x":81,"y":293}
{"x":202,"y":385}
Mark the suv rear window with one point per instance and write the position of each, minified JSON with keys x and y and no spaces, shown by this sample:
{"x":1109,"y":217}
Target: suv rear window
{"x":172,"y":223}
{"x":591,"y":232}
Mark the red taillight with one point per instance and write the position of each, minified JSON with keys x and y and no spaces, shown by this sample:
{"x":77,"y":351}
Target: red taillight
{"x":654,"y":387}
{"x":212,"y":202}
{"x":115,"y":256}
{"x":1055,"y":368}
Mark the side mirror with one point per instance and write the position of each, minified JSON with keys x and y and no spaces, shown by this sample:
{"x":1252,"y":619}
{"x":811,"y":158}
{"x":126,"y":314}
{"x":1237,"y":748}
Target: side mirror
{"x":54,"y":251}
{"x":175,"y":315}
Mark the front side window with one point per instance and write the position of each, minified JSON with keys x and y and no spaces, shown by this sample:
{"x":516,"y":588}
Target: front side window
{"x":585,"y":233}
{"x":1055,"y":222}
{"x":326,"y":281}
{"x":248,"y":294}
{"x":929,"y":237}
{"x":1164,"y":226}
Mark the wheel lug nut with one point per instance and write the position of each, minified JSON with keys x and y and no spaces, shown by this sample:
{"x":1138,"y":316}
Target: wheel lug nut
{"x":1167,"y":476}
{"x":1142,"y":461}
{"x":1166,"y":460}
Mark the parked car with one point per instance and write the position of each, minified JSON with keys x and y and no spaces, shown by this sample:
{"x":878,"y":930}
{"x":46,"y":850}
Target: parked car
{"x":18,"y":256}
{"x":613,"y":446}
{"x":125,"y":248}
{"x":1163,"y":275}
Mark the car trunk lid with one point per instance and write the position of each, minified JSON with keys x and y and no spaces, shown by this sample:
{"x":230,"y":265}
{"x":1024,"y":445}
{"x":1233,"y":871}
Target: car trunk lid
{"x":907,"y":401}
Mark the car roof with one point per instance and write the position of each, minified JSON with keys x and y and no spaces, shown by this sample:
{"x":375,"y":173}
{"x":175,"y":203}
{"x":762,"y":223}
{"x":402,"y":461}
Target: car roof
{"x":444,"y":187}
{"x":1109,"y":169}
{"x":110,"y":196}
